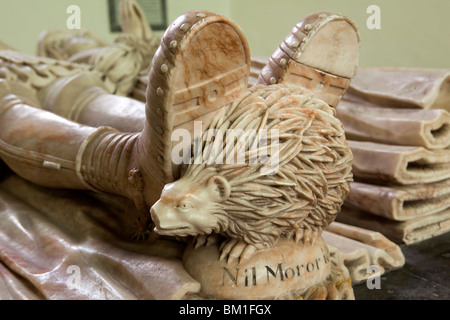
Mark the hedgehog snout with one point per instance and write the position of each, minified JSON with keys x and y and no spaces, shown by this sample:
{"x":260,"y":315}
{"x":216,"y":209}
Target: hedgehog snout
{"x":164,"y":216}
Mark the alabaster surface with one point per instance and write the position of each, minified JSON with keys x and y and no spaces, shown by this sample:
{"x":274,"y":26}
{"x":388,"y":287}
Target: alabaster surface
{"x":400,"y":202}
{"x":363,"y":248}
{"x":399,"y":164}
{"x":364,"y":121}
{"x":263,"y":209}
{"x":119,"y":63}
{"x":408,"y":232}
{"x":47,"y":235}
{"x":73,"y":217}
{"x":284,"y":270}
{"x":392,"y":87}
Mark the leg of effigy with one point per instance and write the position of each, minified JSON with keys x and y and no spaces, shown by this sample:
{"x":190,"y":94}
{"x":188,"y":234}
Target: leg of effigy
{"x":54,"y":152}
{"x":40,"y":146}
{"x":84,"y":99}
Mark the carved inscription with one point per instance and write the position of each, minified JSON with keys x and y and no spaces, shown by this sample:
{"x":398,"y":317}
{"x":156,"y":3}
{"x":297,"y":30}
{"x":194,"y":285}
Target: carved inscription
{"x":252,"y":276}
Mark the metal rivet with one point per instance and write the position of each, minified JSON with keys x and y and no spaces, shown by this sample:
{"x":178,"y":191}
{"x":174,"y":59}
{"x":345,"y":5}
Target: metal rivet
{"x":273,"y":80}
{"x":173,"y":44}
{"x":201,"y":15}
{"x":164,"y":68}
{"x":308,"y":27}
{"x":184,"y":27}
{"x":322,"y":15}
{"x":295,"y":44}
{"x":283,"y":62}
{"x":160,"y":91}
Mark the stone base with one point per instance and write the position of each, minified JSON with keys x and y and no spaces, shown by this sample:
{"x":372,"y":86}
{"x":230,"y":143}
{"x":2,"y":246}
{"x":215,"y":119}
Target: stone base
{"x":287,"y":271}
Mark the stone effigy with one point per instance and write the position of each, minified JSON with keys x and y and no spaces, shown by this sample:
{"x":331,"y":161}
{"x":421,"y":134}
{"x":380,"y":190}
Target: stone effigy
{"x":264,"y":217}
{"x":35,"y":73}
{"x":84,"y":98}
{"x":64,"y":44}
{"x":120,"y":63}
{"x":63,"y":53}
{"x":87,"y":169}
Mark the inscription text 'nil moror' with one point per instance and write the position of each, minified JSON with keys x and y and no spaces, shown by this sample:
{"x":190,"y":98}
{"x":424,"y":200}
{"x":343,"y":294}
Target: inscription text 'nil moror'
{"x":249,"y":277}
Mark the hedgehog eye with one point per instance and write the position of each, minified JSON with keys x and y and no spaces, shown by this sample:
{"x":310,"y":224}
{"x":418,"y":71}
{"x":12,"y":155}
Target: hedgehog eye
{"x":184,"y":206}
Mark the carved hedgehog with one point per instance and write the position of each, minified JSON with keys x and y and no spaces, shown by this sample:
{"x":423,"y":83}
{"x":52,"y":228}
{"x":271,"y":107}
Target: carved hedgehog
{"x":249,"y":204}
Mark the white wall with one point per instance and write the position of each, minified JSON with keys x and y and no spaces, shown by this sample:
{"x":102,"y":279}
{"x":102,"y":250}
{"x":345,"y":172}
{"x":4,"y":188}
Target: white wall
{"x":21,"y":21}
{"x":414,"y":33}
{"x":177,"y":7}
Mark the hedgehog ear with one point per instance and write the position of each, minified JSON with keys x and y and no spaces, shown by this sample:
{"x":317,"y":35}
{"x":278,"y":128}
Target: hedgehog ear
{"x":220,"y":186}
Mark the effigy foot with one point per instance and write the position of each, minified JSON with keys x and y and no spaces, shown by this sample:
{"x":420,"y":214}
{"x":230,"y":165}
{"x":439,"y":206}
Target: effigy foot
{"x":201,"y":66}
{"x":320,"y":55}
